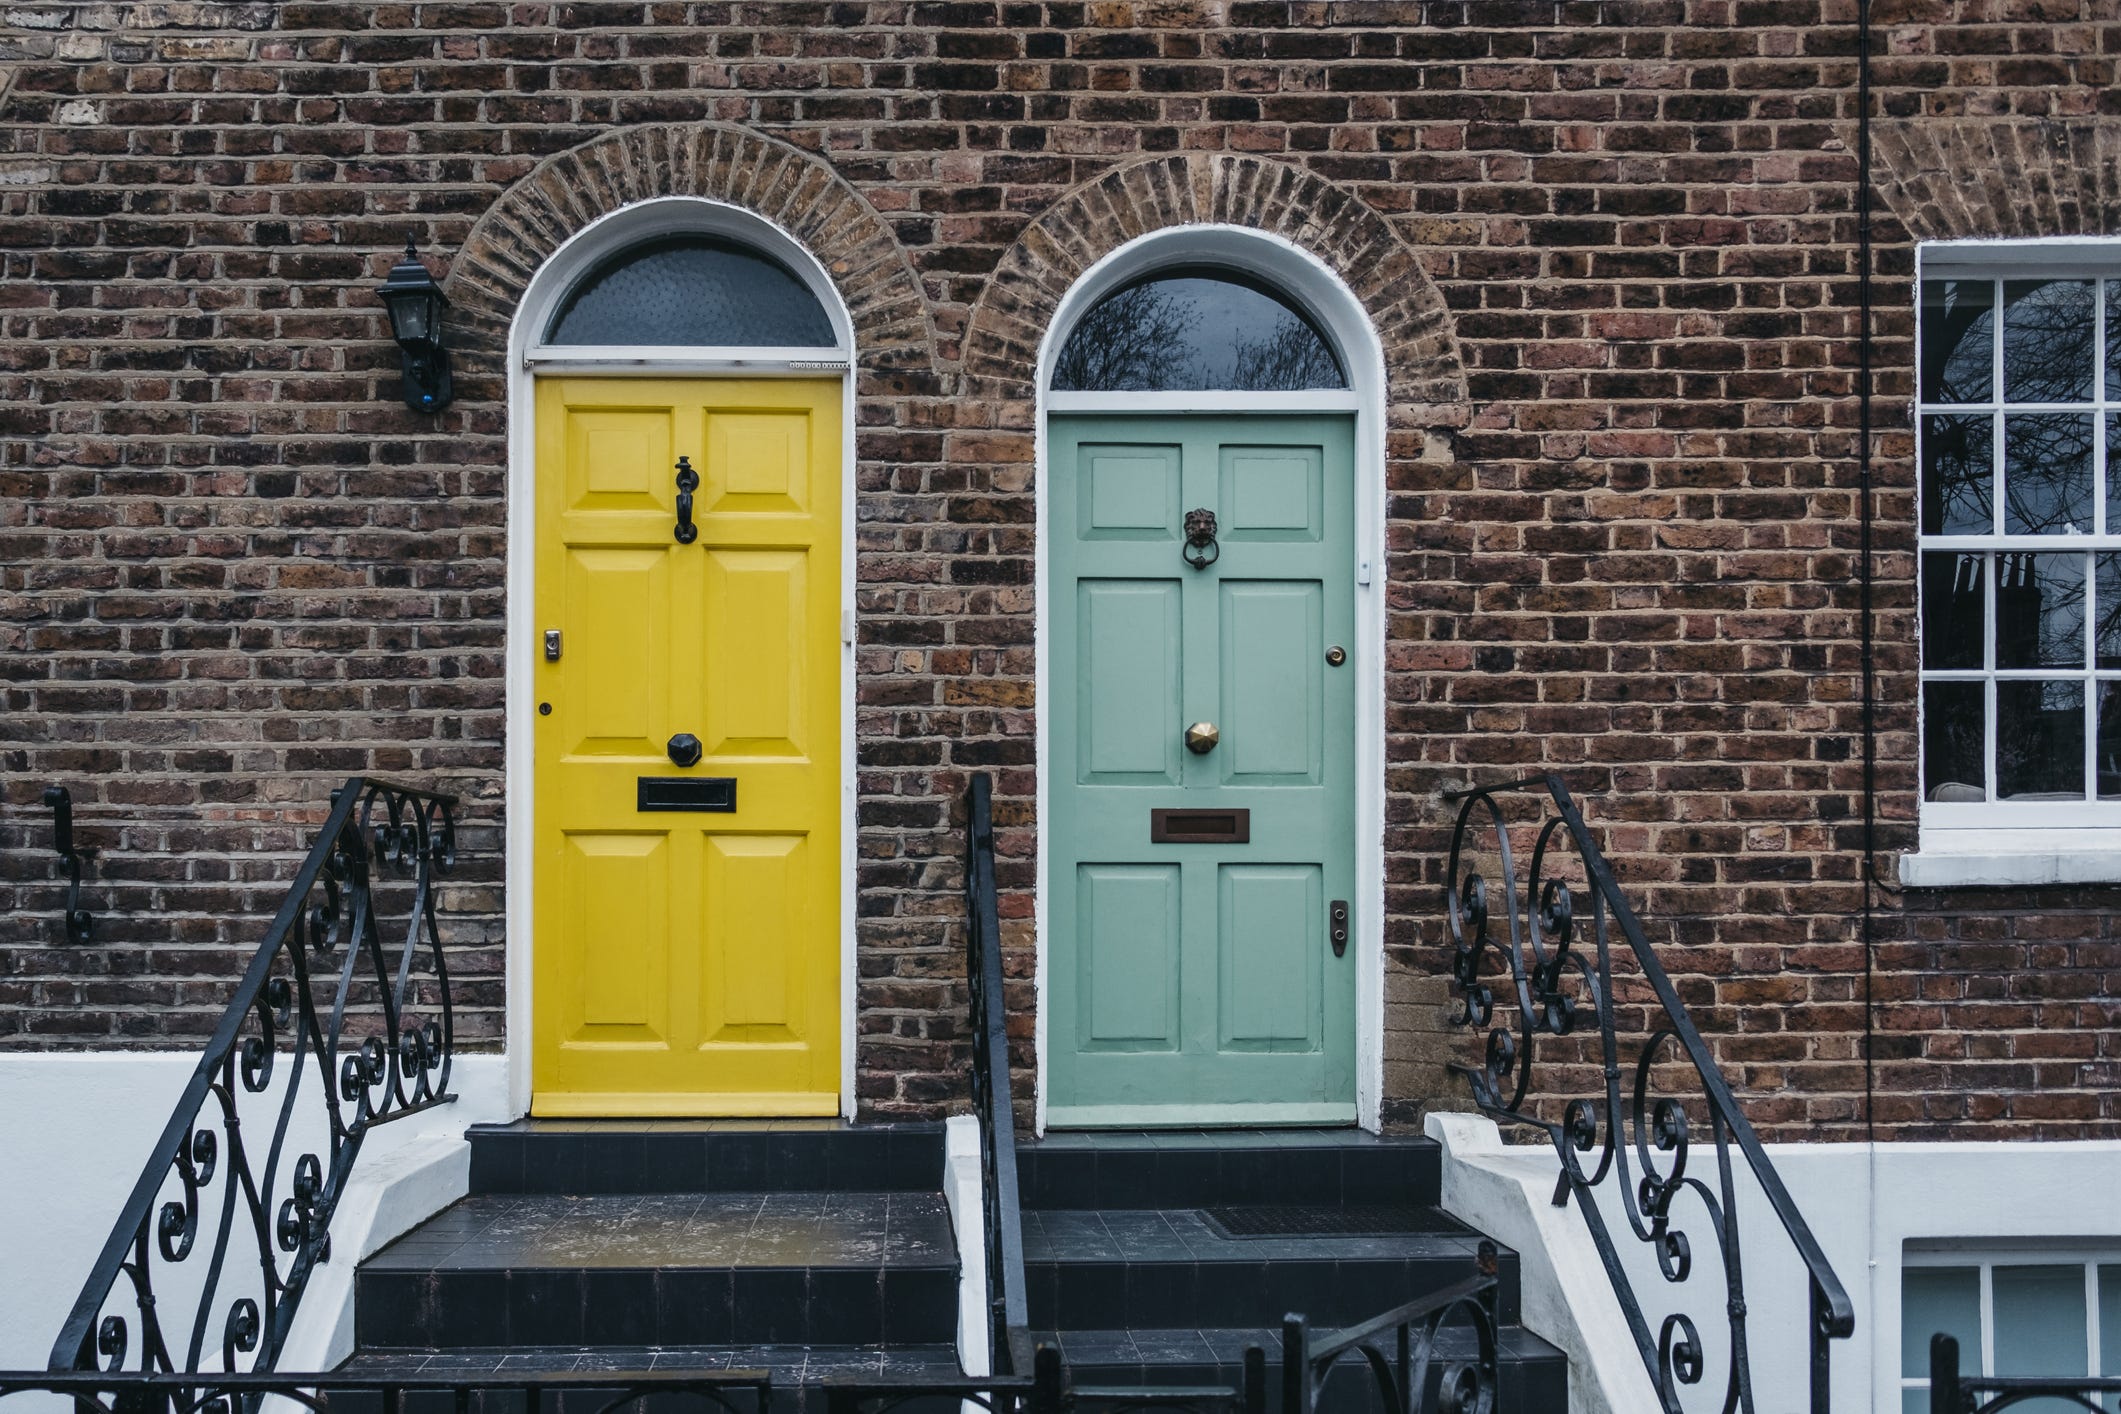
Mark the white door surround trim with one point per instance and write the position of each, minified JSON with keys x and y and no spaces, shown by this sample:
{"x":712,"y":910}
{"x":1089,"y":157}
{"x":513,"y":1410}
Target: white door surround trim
{"x":1306,"y":280}
{"x":601,"y":238}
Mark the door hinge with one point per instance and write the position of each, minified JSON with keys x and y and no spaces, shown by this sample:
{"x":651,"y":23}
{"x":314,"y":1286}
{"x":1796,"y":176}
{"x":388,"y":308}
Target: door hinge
{"x":1337,"y":926}
{"x":846,"y":625}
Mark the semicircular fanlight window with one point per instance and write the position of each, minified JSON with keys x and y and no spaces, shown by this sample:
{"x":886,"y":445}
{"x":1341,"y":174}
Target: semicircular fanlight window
{"x":692,"y":290}
{"x":1195,"y":331}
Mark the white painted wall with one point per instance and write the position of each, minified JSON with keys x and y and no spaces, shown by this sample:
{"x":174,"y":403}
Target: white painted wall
{"x":1865,"y":1203}
{"x":79,"y":1130}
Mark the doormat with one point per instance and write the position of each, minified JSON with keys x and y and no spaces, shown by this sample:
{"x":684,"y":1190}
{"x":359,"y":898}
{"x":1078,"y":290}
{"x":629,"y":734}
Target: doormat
{"x":1324,"y":1222}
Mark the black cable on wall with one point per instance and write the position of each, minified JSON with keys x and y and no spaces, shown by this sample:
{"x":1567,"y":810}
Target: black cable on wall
{"x":1863,"y":469}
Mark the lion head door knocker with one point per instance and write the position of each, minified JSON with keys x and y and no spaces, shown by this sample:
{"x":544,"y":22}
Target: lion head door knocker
{"x":1201,"y":550}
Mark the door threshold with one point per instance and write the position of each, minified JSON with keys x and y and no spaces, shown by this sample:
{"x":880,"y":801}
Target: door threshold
{"x":598,"y":1105}
{"x":1198,"y":1116}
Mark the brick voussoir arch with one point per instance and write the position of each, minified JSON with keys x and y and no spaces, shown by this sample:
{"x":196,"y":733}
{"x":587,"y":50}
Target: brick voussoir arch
{"x":795,"y":190}
{"x":1960,"y":178}
{"x":1424,"y":374}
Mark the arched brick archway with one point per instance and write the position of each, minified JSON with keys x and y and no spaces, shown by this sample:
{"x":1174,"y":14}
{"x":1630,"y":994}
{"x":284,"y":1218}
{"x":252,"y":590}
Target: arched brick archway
{"x":2010,"y":178}
{"x":1425,"y":380}
{"x":796,"y":190}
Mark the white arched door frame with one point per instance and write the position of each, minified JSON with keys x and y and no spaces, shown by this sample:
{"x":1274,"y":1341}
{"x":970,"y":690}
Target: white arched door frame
{"x":1305,"y":280}
{"x":528,"y":357}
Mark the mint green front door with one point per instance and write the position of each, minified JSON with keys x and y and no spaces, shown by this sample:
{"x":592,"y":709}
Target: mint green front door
{"x":1194,"y":980}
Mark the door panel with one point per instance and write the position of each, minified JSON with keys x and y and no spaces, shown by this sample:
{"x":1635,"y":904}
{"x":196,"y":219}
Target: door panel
{"x":1194,"y":982}
{"x":1128,"y":946}
{"x":1271,"y":924}
{"x":1128,"y":685}
{"x":687,"y":962}
{"x":1273,"y":659}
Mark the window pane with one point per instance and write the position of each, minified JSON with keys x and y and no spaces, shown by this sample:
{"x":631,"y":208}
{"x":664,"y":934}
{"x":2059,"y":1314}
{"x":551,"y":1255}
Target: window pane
{"x":1934,"y":1300}
{"x":2113,"y":341}
{"x":1958,"y":334}
{"x":1954,"y":753}
{"x":2106,"y":605}
{"x":1952,"y":611}
{"x":2108,"y":762}
{"x":2047,"y":341}
{"x":2110,"y":1322}
{"x":2040,"y":740}
{"x":696,"y":291}
{"x":2113,"y":463}
{"x":2039,"y":1314}
{"x":2047,"y":474}
{"x":1959,"y":473}
{"x":1194,"y":331}
{"x":2040,"y":611}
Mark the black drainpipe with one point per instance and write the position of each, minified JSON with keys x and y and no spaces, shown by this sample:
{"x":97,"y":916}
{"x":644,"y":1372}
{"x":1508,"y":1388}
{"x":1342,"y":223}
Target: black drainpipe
{"x":1863,"y":459}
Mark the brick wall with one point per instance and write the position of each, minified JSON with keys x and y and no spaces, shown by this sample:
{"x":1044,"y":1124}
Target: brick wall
{"x":1610,"y":248}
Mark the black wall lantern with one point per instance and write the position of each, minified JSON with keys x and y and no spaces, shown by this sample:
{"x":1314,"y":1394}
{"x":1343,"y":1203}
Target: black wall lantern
{"x":416,"y":303}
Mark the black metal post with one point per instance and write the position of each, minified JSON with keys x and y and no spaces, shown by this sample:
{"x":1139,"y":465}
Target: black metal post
{"x":1945,"y":1397}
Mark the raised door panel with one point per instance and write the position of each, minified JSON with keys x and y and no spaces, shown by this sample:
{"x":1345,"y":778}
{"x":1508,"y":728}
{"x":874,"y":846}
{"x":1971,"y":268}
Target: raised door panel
{"x":1273,"y":682}
{"x":1270,"y":942}
{"x":1127,"y":952}
{"x":757,"y":617}
{"x":755,"y":984}
{"x":617,"y":626}
{"x":1272,"y":493}
{"x":758,"y":462}
{"x":617,"y":892}
{"x":620,"y":460}
{"x":1126,"y":492}
{"x":1128,"y":681}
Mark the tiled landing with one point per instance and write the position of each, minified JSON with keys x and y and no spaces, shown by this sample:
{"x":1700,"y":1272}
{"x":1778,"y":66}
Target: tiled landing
{"x":675,"y":1245}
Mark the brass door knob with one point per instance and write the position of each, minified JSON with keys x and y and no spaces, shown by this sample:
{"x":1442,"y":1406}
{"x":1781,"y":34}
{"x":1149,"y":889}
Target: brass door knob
{"x":1201,"y":738}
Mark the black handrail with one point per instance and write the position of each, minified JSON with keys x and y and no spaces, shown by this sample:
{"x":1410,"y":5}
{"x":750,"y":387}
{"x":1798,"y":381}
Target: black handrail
{"x":205,"y":1179}
{"x":638,"y":1391}
{"x":1954,"y":1393}
{"x":1008,"y":1333}
{"x":1539,"y":961}
{"x":1401,"y":1373}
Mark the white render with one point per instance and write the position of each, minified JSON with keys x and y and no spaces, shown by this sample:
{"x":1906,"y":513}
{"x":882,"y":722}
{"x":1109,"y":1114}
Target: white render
{"x":83,"y":1124}
{"x":1866,"y":1203}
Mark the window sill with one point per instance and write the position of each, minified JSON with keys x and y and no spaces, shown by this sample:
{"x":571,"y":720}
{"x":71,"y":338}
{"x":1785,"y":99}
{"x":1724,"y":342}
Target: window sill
{"x":1947,"y":867}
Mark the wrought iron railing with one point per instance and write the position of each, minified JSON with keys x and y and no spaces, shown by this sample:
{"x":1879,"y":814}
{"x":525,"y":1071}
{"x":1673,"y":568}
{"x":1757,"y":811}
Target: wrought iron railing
{"x":1008,"y":1339}
{"x":1557,"y":990}
{"x":332,"y":1031}
{"x":1954,"y":1393}
{"x":666,"y":1389}
{"x":1402,"y":1350}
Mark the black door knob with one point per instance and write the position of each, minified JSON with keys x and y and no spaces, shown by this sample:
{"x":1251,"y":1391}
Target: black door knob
{"x":684,"y":749}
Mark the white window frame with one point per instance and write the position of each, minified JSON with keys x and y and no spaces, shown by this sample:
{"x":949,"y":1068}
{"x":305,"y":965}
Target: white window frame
{"x":1982,"y":1362}
{"x":1998,"y":842}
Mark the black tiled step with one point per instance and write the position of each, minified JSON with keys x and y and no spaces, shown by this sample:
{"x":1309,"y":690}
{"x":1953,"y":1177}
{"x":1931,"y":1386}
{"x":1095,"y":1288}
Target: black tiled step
{"x":669,"y":1269}
{"x":1533,"y":1376}
{"x":1095,"y":1270}
{"x":704,"y":1156}
{"x":799,"y":1368}
{"x":1219,"y":1168}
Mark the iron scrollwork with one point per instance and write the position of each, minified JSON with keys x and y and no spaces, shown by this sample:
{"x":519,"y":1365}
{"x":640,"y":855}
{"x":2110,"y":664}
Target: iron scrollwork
{"x":333,"y":1030}
{"x":1400,"y":1348}
{"x":1631,"y":1149}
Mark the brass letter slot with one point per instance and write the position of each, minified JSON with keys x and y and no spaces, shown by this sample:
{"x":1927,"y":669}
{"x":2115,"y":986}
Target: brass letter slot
{"x":716,"y":794}
{"x":1200,"y":827}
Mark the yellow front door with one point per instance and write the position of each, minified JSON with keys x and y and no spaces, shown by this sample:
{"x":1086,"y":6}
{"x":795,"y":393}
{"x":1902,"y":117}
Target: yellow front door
{"x":686,"y":948}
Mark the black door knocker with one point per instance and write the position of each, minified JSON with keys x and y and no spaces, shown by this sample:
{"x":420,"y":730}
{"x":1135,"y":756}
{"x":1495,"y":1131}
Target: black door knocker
{"x":688,"y":482}
{"x":1201,"y":550}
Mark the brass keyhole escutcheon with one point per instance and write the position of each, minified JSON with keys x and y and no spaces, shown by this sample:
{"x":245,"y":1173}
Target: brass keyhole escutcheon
{"x":1336,"y":655}
{"x":1201,"y":738}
